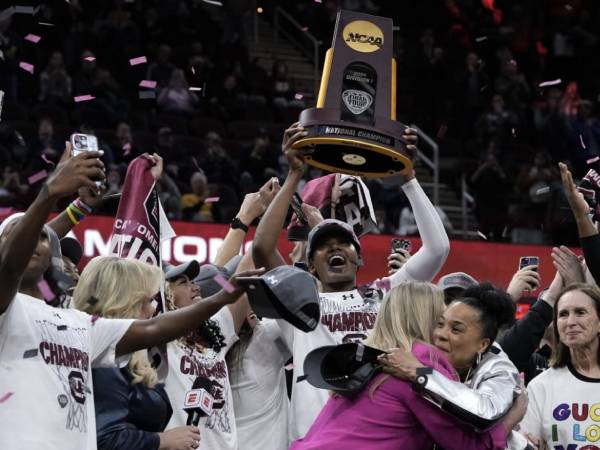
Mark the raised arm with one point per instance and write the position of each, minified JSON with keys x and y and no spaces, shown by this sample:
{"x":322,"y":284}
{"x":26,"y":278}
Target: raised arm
{"x":18,"y":246}
{"x":264,"y":247}
{"x":253,"y":206}
{"x":173,"y":324}
{"x":429,"y":259}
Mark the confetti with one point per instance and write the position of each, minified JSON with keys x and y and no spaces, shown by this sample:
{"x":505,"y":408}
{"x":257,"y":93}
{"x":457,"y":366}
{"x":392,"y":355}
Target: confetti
{"x":26,"y":67}
{"x":30,"y":353}
{"x":298,"y":96}
{"x":305,"y":29}
{"x":26,"y":10}
{"x":514,"y":133}
{"x":126,"y":149}
{"x":37,"y":177}
{"x":593,"y":160}
{"x":193,"y":71}
{"x":90,"y":58}
{"x":148,"y":84}
{"x":211,"y":199}
{"x":226,"y":285}
{"x":192,"y":88}
{"x":1,"y":55}
{"x":46,"y":160}
{"x":83,"y":98}
{"x":318,"y":1}
{"x":46,"y":291}
{"x":291,"y":366}
{"x":6,"y":397}
{"x":213,"y":2}
{"x":1,"y":101}
{"x":46,"y":24}
{"x":542,"y":190}
{"x":581,"y":140}
{"x":138,"y":60}
{"x":95,"y":317}
{"x":550,"y":83}
{"x":481,"y":235}
{"x":33,"y":38}
{"x":481,"y":38}
{"x":143,"y":95}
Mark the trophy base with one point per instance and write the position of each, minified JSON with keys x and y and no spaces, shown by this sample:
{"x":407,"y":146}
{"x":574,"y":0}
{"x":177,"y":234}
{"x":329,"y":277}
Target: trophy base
{"x":353,"y":148}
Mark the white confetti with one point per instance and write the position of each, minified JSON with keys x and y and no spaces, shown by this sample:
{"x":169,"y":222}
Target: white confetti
{"x":481,"y":235}
{"x":543,"y":190}
{"x":551,"y":82}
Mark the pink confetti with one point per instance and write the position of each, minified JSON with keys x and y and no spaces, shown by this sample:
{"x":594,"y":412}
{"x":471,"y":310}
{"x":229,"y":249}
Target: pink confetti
{"x":593,"y":160}
{"x":211,"y":199}
{"x":514,"y":133}
{"x":318,"y":1}
{"x":33,"y":38}
{"x":290,"y":366}
{"x":47,"y":161}
{"x":126,"y":149}
{"x":46,"y":291}
{"x":148,"y":84}
{"x":226,"y":285}
{"x":298,"y":96}
{"x":192,"y":88}
{"x":37,"y":177}
{"x":83,"y":98}
{"x":90,"y":58}
{"x":26,"y":67}
{"x":95,"y":317}
{"x":6,"y":397}
{"x":581,"y":140}
{"x":305,"y":29}
{"x":138,"y":60}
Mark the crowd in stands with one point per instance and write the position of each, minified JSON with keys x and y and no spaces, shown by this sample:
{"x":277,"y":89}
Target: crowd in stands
{"x":470,"y":75}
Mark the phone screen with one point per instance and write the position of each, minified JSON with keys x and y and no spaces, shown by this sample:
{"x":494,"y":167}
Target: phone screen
{"x":401,"y":244}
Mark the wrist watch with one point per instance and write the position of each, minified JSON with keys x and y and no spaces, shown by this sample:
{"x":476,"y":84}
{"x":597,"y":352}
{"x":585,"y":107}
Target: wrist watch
{"x":237,"y":224}
{"x":421,"y":379}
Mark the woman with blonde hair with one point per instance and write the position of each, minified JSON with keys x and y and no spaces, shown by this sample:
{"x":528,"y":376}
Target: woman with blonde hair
{"x":388,"y":413}
{"x":132,"y":409}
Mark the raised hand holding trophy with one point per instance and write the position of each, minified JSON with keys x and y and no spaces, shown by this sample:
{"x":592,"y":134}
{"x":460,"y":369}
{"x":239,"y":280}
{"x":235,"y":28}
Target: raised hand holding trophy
{"x":353,"y":128}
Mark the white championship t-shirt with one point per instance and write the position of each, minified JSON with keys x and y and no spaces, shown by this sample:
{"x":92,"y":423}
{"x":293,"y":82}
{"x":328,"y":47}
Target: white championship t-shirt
{"x":345,"y":317}
{"x":564,"y":410}
{"x":186,"y":363}
{"x":46,"y":390}
{"x":259,"y":390}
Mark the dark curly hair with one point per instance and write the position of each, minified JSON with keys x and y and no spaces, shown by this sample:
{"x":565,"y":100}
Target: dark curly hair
{"x":496,"y":308}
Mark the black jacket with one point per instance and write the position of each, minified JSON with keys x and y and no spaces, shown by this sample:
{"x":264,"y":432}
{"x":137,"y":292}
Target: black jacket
{"x":523,"y":338}
{"x":128,"y":416}
{"x":591,"y":252}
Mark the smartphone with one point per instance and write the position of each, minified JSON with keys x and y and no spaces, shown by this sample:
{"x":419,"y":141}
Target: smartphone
{"x":525,"y":261}
{"x":297,"y":207}
{"x":83,"y":143}
{"x":403,"y":244}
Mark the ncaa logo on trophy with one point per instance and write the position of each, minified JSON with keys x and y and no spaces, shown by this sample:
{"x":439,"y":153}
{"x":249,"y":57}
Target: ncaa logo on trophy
{"x":353,"y":128}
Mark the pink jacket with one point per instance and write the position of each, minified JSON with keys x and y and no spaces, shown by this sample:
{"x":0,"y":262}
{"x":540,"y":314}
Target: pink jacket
{"x":395,"y":417}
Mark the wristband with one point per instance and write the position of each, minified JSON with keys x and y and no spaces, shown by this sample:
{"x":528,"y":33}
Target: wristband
{"x":71,"y":216}
{"x":83,"y":206}
{"x":237,"y":224}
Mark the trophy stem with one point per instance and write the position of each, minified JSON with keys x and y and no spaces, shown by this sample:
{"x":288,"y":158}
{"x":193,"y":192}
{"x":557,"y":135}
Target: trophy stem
{"x":325,"y":78}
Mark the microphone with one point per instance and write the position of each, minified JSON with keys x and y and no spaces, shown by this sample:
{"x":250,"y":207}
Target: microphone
{"x":198,"y":401}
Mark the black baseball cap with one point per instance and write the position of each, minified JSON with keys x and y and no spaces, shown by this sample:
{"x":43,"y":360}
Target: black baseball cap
{"x":190,"y":268}
{"x":285,"y":292}
{"x":71,"y":248}
{"x":344,"y":368}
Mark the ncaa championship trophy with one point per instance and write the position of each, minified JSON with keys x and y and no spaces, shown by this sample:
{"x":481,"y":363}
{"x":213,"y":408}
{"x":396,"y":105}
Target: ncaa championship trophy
{"x":353,"y":129}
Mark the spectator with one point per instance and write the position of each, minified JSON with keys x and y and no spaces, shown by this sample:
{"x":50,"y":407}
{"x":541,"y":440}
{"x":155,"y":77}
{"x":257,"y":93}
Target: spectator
{"x":497,"y":123}
{"x":193,"y":207}
{"x":162,"y":69}
{"x":176,"y":96}
{"x":55,"y":82}
{"x":282,"y":84}
{"x":260,"y":163}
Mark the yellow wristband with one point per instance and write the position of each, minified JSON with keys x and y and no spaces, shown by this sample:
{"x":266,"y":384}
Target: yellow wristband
{"x":71,"y":216}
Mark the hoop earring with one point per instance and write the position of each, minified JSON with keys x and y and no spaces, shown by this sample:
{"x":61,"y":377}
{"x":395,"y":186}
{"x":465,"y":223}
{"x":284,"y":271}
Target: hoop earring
{"x":478,"y":359}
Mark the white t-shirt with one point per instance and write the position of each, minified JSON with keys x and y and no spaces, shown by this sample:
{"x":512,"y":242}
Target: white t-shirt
{"x":564,"y":410}
{"x":186,"y":363}
{"x":345,"y":317}
{"x":46,"y":356}
{"x":259,"y":390}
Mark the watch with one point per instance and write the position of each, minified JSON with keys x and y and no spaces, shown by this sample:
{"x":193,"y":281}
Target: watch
{"x":421,"y":380}
{"x":237,"y":224}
